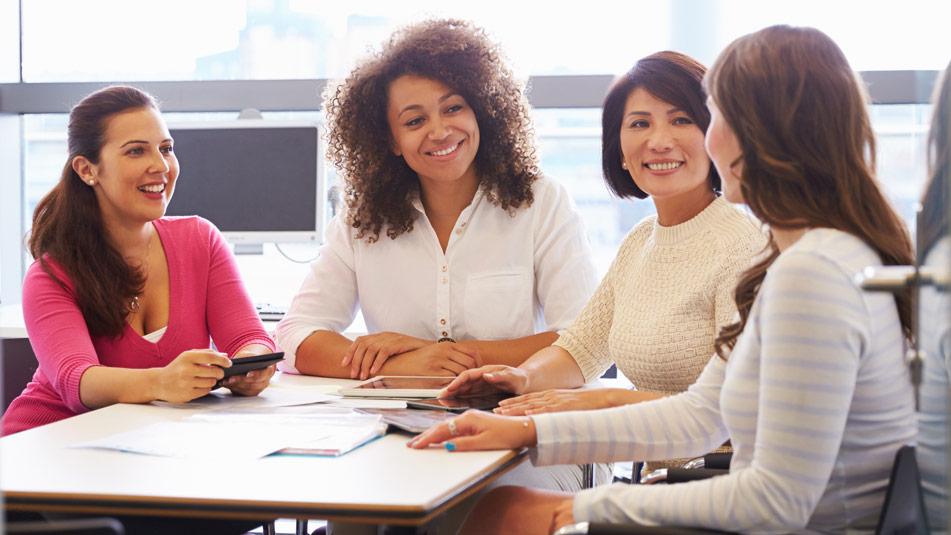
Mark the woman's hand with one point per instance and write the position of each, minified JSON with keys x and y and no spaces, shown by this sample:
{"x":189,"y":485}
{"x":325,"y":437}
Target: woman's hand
{"x":366,"y":354}
{"x":191,"y":375}
{"x":556,"y":401}
{"x":487,"y":380}
{"x":444,"y":358}
{"x":564,"y":515}
{"x":479,"y":430}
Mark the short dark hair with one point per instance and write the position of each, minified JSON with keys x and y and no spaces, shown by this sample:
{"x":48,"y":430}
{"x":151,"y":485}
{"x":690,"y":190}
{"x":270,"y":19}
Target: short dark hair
{"x":670,"y":76}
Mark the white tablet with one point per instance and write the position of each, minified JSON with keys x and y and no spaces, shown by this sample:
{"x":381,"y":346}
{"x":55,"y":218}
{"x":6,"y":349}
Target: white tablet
{"x":398,"y":386}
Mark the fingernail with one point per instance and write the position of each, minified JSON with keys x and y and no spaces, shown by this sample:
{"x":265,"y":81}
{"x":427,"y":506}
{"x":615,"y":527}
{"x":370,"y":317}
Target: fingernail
{"x":489,"y":375}
{"x":450,"y":446}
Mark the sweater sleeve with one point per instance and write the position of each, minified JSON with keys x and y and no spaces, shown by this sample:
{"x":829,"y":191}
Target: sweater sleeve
{"x":232,"y":320}
{"x":58,"y":333}
{"x":327,"y":299}
{"x":682,"y":425}
{"x":812,"y":328}
{"x":564,"y":273}
{"x":586,"y":340}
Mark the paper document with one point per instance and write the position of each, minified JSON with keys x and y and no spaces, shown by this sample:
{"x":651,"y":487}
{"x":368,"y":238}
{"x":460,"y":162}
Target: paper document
{"x":245,"y":435}
{"x":223,"y":399}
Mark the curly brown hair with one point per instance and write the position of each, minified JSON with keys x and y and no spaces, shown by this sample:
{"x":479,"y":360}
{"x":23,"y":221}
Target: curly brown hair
{"x":380,"y":186}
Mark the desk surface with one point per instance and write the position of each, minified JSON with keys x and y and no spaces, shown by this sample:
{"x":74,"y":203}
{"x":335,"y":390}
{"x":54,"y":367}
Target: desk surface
{"x":382,"y":482}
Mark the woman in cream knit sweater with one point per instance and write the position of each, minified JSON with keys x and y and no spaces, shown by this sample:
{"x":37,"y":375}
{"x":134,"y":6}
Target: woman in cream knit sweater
{"x":670,"y":289}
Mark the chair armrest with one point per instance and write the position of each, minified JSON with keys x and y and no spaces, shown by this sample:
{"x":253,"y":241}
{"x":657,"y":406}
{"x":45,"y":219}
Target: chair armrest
{"x":719,"y":461}
{"x":680,"y":475}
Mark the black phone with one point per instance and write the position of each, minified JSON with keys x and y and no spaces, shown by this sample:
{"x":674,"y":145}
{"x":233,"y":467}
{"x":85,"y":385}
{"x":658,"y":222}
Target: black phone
{"x":243,"y":365}
{"x":484,"y":403}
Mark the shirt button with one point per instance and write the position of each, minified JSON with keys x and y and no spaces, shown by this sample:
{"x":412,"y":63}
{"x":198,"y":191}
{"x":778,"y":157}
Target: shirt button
{"x":445,"y":280}
{"x":458,"y":231}
{"x":444,"y":333}
{"x":444,"y":268}
{"x":463,"y":224}
{"x":442,"y":321}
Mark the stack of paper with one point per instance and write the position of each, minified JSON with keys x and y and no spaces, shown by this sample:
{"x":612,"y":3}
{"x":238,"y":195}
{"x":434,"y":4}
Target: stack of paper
{"x":250,"y":433}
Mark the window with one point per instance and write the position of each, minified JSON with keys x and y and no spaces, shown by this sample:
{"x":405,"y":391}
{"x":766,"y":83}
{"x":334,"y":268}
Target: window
{"x":277,"y":39}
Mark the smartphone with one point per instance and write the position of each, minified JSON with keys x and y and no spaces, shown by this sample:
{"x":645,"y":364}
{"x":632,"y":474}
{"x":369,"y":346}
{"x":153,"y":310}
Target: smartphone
{"x":458,"y":405}
{"x":243,"y":365}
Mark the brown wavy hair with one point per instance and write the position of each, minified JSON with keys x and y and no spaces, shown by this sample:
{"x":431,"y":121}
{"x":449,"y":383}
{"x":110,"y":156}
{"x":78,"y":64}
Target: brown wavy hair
{"x":380,"y":186}
{"x":807,"y":150}
{"x":670,"y":76}
{"x":68,"y":226}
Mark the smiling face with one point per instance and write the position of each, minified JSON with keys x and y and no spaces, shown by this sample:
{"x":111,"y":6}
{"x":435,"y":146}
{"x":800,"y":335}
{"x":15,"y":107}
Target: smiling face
{"x":662,"y":147}
{"x":135,"y":176}
{"x":434,"y":129}
{"x":724,"y":150}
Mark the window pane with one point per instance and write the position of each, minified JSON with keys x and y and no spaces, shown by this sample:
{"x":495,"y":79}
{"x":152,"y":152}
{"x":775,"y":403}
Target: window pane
{"x":271,"y":39}
{"x":9,"y":41}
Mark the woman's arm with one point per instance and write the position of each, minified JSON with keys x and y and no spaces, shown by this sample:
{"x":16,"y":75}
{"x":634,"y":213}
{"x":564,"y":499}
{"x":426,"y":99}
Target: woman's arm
{"x":232,"y":320}
{"x":323,"y":307}
{"x":191,"y":375}
{"x":511,"y":352}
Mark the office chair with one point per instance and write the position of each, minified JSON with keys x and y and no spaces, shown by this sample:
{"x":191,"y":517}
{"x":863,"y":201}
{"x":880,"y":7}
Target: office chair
{"x":710,"y":465}
{"x":903,"y":512}
{"x":82,"y":526}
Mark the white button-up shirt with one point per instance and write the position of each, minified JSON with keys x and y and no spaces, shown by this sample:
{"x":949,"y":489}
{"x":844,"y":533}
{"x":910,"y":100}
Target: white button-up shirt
{"x":502,"y":276}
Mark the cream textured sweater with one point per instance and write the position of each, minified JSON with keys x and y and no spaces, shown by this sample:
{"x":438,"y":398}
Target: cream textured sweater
{"x":664,"y":299}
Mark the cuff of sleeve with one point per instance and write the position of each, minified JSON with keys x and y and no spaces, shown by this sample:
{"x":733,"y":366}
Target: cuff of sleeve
{"x":545,"y":453}
{"x":69,"y":381}
{"x":288,"y":340}
{"x":581,"y":507}
{"x":590,"y":368}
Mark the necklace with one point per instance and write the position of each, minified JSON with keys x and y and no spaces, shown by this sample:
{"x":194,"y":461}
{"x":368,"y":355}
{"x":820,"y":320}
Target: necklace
{"x":134,"y":302}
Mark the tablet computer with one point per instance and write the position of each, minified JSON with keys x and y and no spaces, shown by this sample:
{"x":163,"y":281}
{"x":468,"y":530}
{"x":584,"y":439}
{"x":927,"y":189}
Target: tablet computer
{"x":398,"y":386}
{"x":459,"y":405}
{"x":242,"y":365}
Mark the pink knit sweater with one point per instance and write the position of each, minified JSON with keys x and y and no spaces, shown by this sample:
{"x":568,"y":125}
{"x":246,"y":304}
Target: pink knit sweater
{"x":208,"y":302}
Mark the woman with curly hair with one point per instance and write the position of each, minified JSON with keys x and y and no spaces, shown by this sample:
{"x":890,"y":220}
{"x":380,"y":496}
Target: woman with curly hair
{"x":454,"y":246}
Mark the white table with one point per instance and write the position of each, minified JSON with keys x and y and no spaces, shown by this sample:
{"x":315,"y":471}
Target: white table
{"x":383,"y":482}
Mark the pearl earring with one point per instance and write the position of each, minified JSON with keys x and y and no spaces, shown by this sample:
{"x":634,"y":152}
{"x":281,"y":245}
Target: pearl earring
{"x":624,"y":165}
{"x":91,"y":182}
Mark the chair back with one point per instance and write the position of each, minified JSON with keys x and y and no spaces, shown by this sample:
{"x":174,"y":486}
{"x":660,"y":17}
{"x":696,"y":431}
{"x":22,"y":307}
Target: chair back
{"x":904,"y":509}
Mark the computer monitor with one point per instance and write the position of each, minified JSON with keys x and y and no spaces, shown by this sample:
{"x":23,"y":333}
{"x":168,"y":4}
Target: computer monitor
{"x":258,"y":181}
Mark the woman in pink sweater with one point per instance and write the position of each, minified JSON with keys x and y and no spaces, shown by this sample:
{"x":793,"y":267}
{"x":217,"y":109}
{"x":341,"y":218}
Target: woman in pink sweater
{"x":122,"y":303}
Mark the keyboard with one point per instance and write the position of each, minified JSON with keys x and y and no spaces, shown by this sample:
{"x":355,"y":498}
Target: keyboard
{"x":269,"y":312}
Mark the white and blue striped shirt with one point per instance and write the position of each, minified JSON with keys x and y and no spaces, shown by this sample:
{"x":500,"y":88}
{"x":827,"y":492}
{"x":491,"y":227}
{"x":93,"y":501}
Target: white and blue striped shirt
{"x":815,"y":398}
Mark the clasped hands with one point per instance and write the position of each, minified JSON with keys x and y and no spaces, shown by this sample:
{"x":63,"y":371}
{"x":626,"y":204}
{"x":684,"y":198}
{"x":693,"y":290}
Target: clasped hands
{"x":407,"y":355}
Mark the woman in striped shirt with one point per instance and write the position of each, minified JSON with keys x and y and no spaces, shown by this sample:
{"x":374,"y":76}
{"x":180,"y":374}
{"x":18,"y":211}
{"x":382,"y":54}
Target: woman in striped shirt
{"x":809,"y":384}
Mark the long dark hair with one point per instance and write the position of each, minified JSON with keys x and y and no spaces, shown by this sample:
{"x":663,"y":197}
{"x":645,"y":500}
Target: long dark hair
{"x":669,"y":76}
{"x":807,"y":149}
{"x":68,"y":226}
